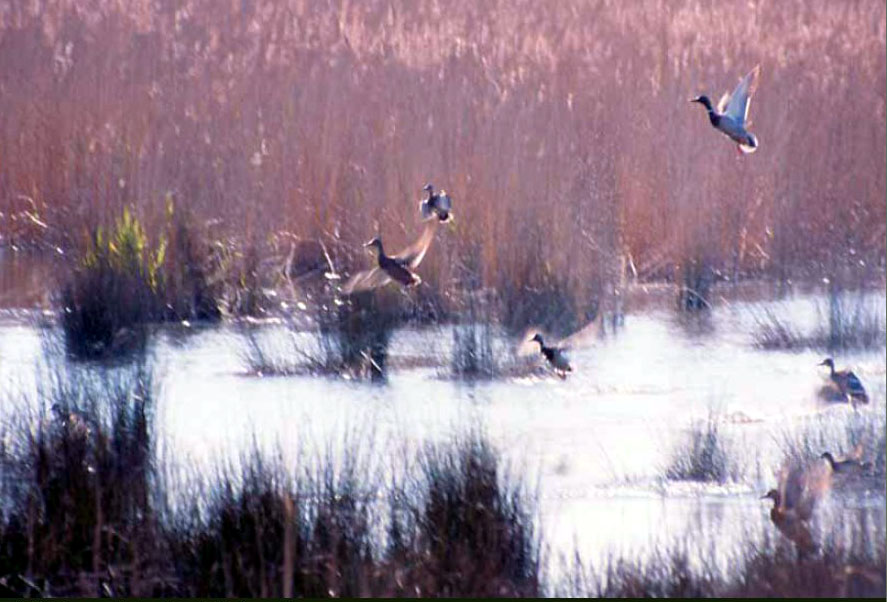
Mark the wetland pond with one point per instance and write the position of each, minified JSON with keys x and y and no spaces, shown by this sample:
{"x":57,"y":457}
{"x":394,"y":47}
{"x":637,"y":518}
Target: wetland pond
{"x":594,"y":448}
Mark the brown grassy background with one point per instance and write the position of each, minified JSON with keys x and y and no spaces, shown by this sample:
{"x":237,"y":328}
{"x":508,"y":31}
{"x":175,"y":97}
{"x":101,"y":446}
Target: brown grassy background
{"x":562,"y":130}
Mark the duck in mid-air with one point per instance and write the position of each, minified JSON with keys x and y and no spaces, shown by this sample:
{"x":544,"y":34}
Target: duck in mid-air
{"x":800,"y":488}
{"x":436,"y":204}
{"x":852,"y":464}
{"x":397,"y":267}
{"x":731,"y":115}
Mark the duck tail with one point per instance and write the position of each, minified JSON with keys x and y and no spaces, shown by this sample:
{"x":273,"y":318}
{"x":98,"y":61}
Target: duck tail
{"x":751,"y":146}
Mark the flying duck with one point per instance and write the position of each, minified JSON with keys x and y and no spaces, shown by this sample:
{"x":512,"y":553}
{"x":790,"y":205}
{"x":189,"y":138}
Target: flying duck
{"x":437,"y":203}
{"x":731,"y":115}
{"x":793,"y":503}
{"x":852,"y":464}
{"x":397,"y":267}
{"x":556,"y":356}
{"x":848,"y":383}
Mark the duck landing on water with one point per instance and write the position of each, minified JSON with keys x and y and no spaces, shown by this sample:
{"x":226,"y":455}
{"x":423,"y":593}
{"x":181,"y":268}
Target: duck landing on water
{"x":556,"y":356}
{"x":731,"y":116}
{"x":847,"y":383}
{"x":398,"y":268}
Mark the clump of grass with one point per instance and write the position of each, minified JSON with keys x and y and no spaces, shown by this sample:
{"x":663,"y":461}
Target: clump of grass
{"x":258,"y":531}
{"x":840,"y":436}
{"x":260,"y":359}
{"x":355,"y":333}
{"x":773,"y":332}
{"x":344,"y":337}
{"x":855,"y":321}
{"x":111,"y":293}
{"x":77,"y":491}
{"x":851,"y":320}
{"x":189,"y":282}
{"x":702,"y":455}
{"x":472,"y":351}
{"x":123,"y":280}
{"x":472,"y":534}
{"x":758,"y":569}
{"x":85,"y":511}
{"x":698,"y":279}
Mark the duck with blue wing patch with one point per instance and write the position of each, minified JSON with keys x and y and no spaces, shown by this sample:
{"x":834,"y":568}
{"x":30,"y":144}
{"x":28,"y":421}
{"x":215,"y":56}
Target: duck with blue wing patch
{"x":847,"y":383}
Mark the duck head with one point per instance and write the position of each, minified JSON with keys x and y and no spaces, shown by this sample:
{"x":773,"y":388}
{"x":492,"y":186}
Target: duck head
{"x":428,"y":188}
{"x":828,"y":362}
{"x":772,"y":495}
{"x":538,"y":338}
{"x":375,"y":242}
{"x":827,"y":456}
{"x":703,"y":100}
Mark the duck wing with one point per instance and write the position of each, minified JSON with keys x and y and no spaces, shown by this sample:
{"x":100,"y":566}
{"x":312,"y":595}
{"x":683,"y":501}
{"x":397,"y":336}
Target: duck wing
{"x":444,"y":202}
{"x":856,"y":454}
{"x":815,"y":483}
{"x":722,"y":104}
{"x":737,"y":106}
{"x":365,"y":280}
{"x":425,"y":209}
{"x":790,"y":487}
{"x":797,"y":532}
{"x":854,"y":385}
{"x":560,"y":359}
{"x":412,"y":256}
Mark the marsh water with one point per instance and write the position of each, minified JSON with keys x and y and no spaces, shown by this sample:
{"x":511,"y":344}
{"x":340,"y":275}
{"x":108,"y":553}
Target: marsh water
{"x":594,"y":447}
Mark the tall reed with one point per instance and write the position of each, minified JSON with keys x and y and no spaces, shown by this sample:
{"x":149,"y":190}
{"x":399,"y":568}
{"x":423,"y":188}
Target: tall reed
{"x":562,"y":132}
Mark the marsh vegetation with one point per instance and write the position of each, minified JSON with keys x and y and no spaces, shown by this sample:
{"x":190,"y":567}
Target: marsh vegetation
{"x":189,"y":185}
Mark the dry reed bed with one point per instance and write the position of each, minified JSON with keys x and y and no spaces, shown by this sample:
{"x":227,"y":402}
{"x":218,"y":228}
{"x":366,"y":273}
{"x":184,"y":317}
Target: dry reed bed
{"x":562,"y":131}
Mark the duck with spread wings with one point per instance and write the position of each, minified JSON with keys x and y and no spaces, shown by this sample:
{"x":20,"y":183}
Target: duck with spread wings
{"x":731,"y":115}
{"x":800,"y":489}
{"x":399,"y":267}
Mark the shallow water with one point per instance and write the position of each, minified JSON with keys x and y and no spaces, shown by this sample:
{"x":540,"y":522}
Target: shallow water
{"x":595,"y":445}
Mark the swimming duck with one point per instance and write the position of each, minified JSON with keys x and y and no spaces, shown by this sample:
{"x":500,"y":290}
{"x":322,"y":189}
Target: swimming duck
{"x":848,"y":383}
{"x":851,"y":464}
{"x":732,"y":112}
{"x":556,"y":356}
{"x":437,"y":203}
{"x":397,"y":267}
{"x":799,"y":490}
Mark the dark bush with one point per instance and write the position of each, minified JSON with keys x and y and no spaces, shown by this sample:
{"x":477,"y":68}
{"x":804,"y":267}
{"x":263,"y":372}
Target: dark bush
{"x":122,"y":281}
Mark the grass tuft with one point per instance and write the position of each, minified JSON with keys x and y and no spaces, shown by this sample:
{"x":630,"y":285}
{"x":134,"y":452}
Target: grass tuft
{"x":122,"y":281}
{"x":850,"y":321}
{"x":702,"y":455}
